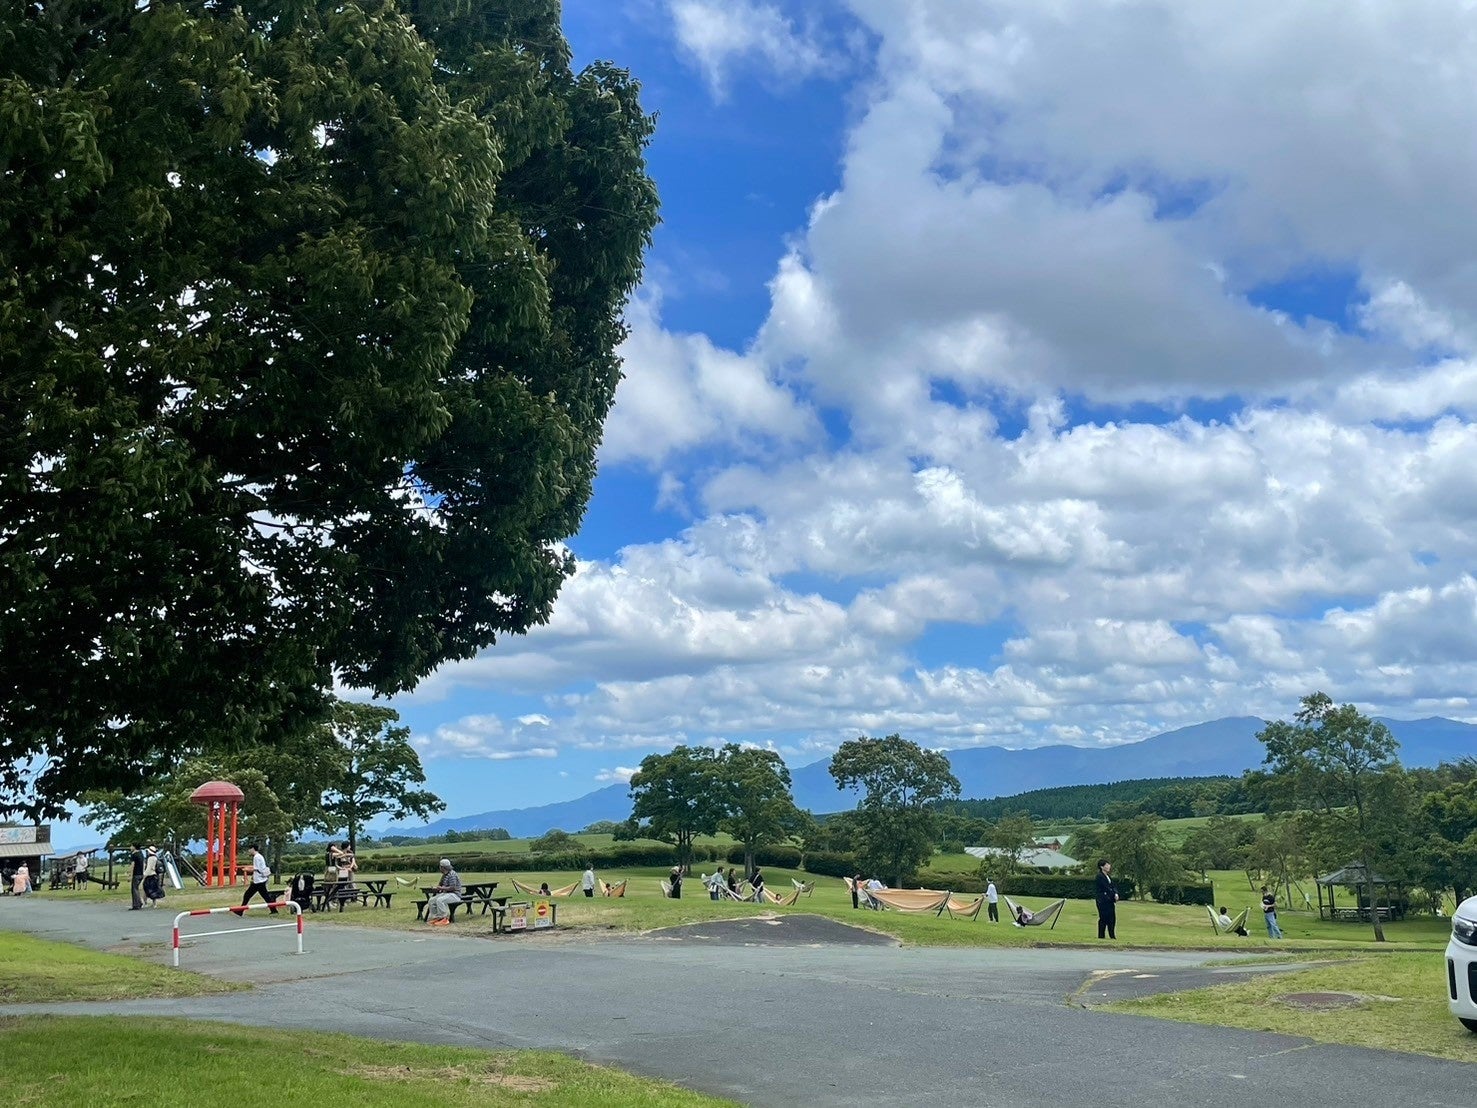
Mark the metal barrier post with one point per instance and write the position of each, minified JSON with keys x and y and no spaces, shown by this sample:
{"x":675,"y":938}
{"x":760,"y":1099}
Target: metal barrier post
{"x":239,"y":909}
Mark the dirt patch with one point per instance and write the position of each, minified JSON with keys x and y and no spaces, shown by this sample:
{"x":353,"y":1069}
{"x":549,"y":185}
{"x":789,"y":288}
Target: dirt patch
{"x":491,"y":1077}
{"x":1322,"y":1002}
{"x":772,"y":930}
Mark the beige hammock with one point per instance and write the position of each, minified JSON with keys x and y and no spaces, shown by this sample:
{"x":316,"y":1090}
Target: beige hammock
{"x":562,"y":890}
{"x":618,"y":889}
{"x":911,"y":900}
{"x":806,"y":887}
{"x":1237,"y":921}
{"x":970,"y":909}
{"x":1039,"y":917}
{"x":782,"y":901}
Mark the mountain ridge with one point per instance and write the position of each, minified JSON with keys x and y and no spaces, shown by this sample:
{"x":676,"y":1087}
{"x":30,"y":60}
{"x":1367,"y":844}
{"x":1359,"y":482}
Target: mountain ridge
{"x":1221,"y":746}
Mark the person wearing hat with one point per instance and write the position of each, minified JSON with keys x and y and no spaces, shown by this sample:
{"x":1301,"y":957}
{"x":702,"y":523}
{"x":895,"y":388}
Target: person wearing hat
{"x":443,"y":896}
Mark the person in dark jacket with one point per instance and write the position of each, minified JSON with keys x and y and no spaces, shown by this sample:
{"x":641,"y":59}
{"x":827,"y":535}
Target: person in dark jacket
{"x":1107,"y":901}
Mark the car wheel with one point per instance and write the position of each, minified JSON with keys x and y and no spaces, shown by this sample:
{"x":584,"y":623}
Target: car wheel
{"x":1470,"y":1025}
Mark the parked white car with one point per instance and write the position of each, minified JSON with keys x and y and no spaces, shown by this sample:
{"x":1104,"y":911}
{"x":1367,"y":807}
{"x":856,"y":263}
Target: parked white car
{"x":1461,"y":963}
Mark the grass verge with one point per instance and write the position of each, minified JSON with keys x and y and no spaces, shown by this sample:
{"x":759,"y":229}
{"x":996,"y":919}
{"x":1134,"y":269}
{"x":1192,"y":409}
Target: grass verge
{"x":165,"y":1063}
{"x":38,"y":971}
{"x":1403,"y":1006}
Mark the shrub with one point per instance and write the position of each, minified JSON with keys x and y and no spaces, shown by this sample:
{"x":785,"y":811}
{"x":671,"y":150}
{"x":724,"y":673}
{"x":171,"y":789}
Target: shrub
{"x":1179,"y":894}
{"x":830,"y":863}
{"x":784,"y":857}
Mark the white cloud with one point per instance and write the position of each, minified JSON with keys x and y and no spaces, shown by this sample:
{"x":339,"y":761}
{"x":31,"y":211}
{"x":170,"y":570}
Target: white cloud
{"x":620,"y":774}
{"x":721,"y":35}
{"x":487,"y":737}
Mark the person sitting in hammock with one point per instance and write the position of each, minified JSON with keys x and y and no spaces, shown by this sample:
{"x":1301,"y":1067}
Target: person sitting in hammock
{"x":1023,"y":918}
{"x":1228,"y":924}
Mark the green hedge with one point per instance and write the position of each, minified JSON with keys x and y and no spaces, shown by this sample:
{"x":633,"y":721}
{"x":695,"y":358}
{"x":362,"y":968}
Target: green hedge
{"x":831,"y":863}
{"x":1183,"y":894}
{"x":784,"y":857}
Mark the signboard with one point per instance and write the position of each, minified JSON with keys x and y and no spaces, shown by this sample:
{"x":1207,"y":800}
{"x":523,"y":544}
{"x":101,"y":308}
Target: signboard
{"x":543,"y":915}
{"x":11,"y":836}
{"x":517,"y":917}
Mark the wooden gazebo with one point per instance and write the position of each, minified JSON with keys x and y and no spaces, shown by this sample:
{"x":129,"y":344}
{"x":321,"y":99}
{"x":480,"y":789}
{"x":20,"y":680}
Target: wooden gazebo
{"x":1367,"y":886}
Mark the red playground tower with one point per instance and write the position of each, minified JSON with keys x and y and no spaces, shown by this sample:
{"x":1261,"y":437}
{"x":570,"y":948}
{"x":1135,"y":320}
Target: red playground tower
{"x":218,"y":797}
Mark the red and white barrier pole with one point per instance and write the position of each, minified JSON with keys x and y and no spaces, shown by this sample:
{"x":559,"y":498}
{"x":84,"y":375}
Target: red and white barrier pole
{"x":239,"y":909}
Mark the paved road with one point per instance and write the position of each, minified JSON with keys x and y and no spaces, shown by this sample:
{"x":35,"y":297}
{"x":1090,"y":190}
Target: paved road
{"x":776,"y":1015}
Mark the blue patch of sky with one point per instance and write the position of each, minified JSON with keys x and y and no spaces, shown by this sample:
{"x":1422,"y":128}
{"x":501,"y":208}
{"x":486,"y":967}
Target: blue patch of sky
{"x":965,"y":645}
{"x":1331,"y":294}
{"x":623,"y":512}
{"x":736,"y":176}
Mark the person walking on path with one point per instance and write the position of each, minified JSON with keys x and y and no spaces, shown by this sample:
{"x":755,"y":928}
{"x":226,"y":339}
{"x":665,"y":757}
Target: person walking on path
{"x":992,"y":900}
{"x":449,"y":892}
{"x":136,"y":888}
{"x":260,"y":875}
{"x":1269,"y":913}
{"x":587,"y":882}
{"x":1107,"y":901}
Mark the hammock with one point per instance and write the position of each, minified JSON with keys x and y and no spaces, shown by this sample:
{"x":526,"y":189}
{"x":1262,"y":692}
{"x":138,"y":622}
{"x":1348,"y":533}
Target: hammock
{"x":970,"y":909}
{"x":782,"y":901}
{"x":563,"y":890}
{"x":408,"y":882}
{"x":667,"y":889}
{"x":911,"y":900}
{"x":806,"y":887}
{"x":613,"y":890}
{"x":1038,"y":917}
{"x":1220,"y":928}
{"x":863,"y":895}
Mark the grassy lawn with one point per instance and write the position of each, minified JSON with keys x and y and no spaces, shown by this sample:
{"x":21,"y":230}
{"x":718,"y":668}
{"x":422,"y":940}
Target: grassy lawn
{"x":165,"y":1063}
{"x":1404,"y":1006}
{"x":39,"y":971}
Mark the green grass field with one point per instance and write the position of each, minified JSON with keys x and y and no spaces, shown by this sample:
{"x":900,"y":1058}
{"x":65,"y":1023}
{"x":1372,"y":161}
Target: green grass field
{"x":1402,"y":1006}
{"x":38,"y":971}
{"x":177,"y":1064}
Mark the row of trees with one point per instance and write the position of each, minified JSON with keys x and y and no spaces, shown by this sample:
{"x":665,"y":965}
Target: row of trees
{"x":333,"y":778}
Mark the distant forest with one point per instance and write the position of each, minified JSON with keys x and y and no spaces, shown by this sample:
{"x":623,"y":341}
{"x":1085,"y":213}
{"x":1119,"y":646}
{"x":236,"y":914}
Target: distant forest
{"x":1166,"y":797}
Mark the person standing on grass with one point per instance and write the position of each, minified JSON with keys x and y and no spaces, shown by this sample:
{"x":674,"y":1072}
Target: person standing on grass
{"x":1107,"y":901}
{"x":587,"y":882}
{"x":260,"y":875}
{"x":1269,"y":913}
{"x":443,"y":896}
{"x":136,"y":887}
{"x":992,"y":899}
{"x":856,"y":884}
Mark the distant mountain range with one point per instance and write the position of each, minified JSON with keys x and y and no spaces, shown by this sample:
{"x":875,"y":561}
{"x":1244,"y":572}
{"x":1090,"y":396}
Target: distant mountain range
{"x":1222,"y":746}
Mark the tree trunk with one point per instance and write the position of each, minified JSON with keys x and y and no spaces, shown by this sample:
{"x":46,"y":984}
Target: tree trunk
{"x":749,"y":859}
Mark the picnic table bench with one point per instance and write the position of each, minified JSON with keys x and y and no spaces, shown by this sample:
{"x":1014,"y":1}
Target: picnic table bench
{"x":340,"y":893}
{"x":472,"y":896}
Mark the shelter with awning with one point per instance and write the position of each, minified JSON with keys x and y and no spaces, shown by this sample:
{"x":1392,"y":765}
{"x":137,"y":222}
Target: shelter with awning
{"x":1367,"y":886}
{"x":29,"y":845}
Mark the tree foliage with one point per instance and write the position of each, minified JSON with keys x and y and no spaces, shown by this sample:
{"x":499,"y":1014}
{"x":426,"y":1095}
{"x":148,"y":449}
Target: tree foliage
{"x":308,"y":319}
{"x":376,"y":771}
{"x":759,"y":809}
{"x":901,"y":783}
{"x":1342,"y":766}
{"x":1139,"y":853}
{"x":677,"y":797}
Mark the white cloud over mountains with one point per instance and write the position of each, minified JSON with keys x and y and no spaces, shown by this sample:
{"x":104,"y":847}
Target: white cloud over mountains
{"x":1047,"y":213}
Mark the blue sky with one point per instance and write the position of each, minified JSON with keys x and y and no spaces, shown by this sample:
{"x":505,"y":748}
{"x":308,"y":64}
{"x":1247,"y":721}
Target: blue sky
{"x":1009,"y":373}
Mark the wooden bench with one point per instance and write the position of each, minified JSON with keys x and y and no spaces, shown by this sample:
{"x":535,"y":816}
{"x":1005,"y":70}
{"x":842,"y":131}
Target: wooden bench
{"x":422,"y":905}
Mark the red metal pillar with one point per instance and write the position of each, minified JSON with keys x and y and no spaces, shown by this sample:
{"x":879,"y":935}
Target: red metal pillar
{"x":218,"y":819}
{"x":234,"y":808}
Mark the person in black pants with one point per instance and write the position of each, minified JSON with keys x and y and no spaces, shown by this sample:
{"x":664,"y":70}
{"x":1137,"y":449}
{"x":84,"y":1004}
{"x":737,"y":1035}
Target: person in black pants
{"x":1107,"y":901}
{"x":261,"y":873}
{"x":137,"y":858}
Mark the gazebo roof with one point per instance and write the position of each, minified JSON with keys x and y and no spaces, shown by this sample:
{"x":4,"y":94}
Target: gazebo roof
{"x":1355,"y":873}
{"x":216,"y":790}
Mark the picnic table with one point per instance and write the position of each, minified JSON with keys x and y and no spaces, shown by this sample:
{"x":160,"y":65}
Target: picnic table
{"x":376,"y":889}
{"x":472,"y":895}
{"x":339,"y":892}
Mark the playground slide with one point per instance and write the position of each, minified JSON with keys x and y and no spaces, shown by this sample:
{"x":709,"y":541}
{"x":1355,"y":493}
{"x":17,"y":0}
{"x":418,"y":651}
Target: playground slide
{"x":172,"y":872}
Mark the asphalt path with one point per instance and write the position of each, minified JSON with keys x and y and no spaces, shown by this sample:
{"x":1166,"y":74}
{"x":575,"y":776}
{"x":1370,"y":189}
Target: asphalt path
{"x":801,"y":1011}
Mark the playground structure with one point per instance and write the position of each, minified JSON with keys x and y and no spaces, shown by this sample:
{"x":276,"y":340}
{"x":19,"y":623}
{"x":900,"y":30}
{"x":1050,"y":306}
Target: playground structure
{"x":239,"y":909}
{"x":219,"y":798}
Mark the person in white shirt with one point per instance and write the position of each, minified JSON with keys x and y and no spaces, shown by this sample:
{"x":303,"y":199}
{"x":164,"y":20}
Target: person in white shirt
{"x":587,"y":882}
{"x":260,"y":875}
{"x":992,"y":898}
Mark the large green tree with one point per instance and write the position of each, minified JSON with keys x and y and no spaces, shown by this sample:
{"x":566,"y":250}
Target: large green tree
{"x":1139,"y":853}
{"x":1340,"y":765}
{"x":900,"y":783}
{"x":308,"y":319}
{"x":755,"y":789}
{"x":676,"y":797}
{"x":377,"y":772}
